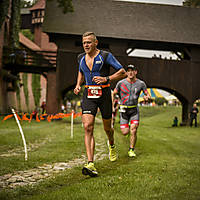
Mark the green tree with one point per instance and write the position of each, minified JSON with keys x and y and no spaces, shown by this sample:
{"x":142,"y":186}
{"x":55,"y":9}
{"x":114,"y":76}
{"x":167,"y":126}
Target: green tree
{"x":28,"y":34}
{"x":71,"y":96}
{"x":4,"y":4}
{"x":26,"y":4}
{"x":66,"y":6}
{"x":192,"y":3}
{"x":14,"y":24}
{"x":160,"y":101}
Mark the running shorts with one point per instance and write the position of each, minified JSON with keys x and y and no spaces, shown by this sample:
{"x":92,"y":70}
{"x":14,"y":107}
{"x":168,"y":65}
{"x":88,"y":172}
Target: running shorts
{"x":131,"y":115}
{"x":104,"y":103}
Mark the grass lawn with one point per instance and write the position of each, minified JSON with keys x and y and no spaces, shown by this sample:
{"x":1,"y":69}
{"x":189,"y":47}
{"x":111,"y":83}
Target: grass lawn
{"x":167,"y":165}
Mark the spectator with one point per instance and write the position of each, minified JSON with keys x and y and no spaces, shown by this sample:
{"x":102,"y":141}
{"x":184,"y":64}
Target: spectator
{"x":43,"y":106}
{"x":175,"y":122}
{"x":193,"y":115}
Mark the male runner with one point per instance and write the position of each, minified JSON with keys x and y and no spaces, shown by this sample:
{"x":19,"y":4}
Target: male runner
{"x":94,"y":66}
{"x":129,"y":90}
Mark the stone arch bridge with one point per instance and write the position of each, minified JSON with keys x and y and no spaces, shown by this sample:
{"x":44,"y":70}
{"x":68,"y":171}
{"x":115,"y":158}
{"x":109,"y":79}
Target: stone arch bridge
{"x":122,"y":26}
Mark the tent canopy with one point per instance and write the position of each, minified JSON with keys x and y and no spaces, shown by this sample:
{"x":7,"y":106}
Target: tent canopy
{"x":153,"y":93}
{"x":170,"y":98}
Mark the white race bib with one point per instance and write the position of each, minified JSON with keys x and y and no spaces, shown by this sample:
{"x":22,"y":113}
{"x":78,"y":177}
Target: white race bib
{"x":94,"y":92}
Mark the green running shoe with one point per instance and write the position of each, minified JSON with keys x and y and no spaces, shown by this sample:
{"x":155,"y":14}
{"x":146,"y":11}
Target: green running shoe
{"x":89,"y":169}
{"x":131,"y":153}
{"x":112,"y":153}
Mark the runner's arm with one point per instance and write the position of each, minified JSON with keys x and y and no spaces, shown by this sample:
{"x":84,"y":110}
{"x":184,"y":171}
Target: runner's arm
{"x":80,"y":80}
{"x":115,"y":91}
{"x":120,"y":74}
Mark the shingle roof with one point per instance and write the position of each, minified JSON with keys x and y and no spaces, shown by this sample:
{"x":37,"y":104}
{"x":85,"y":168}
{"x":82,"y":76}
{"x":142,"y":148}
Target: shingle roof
{"x":39,"y":5}
{"x":126,"y":20}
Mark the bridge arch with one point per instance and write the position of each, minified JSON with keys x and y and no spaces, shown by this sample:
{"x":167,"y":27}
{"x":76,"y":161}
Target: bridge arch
{"x":119,"y":30}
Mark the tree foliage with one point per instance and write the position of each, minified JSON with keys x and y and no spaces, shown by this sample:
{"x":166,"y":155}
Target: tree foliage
{"x":71,"y":96}
{"x":26,"y":4}
{"x":4,"y":4}
{"x":66,"y":5}
{"x":160,"y":101}
{"x":28,"y":34}
{"x":15,"y":23}
{"x":192,"y":3}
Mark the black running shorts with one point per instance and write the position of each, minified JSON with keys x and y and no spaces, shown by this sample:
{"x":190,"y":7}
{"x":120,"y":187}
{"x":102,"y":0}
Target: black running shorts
{"x":104,"y":103}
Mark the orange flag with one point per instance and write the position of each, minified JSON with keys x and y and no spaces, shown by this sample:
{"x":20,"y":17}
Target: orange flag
{"x":7,"y":117}
{"x":18,"y":117}
{"x":77,"y":114}
{"x":67,"y":115}
{"x":24,"y":117}
{"x":37,"y":118}
{"x":49,"y":118}
{"x":43,"y":116}
{"x":31,"y":116}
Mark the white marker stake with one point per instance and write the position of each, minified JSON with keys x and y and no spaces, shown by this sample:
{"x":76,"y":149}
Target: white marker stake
{"x":72,"y":123}
{"x":22,"y":134}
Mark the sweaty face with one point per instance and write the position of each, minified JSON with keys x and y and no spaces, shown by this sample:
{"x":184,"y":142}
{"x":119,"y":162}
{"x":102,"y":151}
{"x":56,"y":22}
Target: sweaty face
{"x":89,"y":44}
{"x":131,"y":73}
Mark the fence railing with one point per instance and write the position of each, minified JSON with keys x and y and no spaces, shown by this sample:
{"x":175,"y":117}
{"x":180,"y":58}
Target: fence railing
{"x":19,"y":56}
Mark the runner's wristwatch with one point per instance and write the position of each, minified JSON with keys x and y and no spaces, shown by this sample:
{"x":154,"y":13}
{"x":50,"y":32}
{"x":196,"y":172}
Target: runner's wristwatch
{"x":107,"y":78}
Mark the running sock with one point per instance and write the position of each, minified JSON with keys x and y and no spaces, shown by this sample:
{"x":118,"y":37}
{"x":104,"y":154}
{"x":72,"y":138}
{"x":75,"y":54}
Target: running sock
{"x":90,"y":162}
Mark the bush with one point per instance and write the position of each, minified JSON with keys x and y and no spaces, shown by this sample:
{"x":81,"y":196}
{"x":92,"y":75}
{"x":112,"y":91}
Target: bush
{"x":160,"y":101}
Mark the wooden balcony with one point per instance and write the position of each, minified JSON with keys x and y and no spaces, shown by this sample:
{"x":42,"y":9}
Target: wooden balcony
{"x":22,"y":60}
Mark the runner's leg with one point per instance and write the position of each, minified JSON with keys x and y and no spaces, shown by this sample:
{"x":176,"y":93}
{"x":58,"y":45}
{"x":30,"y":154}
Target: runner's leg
{"x":109,"y":130}
{"x":88,"y":123}
{"x":133,"y":135}
{"x":124,"y":124}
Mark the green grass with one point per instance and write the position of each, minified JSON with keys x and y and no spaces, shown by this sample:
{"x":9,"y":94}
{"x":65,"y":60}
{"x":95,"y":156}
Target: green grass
{"x":166,"y":167}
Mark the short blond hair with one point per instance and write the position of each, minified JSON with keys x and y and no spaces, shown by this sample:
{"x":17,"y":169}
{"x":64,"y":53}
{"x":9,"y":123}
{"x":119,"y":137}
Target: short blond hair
{"x":88,"y":34}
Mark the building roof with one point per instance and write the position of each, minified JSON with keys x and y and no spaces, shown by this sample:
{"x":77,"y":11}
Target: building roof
{"x":126,"y":20}
{"x":28,"y":43}
{"x":39,"y":5}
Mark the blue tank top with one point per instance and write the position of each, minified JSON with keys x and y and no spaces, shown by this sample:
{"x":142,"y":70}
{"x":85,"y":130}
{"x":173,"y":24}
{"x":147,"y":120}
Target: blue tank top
{"x":101,"y":67}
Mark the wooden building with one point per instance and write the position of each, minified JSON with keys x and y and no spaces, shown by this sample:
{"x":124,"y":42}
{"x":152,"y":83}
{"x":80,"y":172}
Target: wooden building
{"x":126,"y":25}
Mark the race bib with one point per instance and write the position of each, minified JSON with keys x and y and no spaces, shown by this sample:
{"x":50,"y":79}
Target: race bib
{"x":94,"y":92}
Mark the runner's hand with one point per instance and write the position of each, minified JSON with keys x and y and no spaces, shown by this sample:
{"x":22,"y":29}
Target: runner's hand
{"x":77,"y":90}
{"x":99,"y":79}
{"x":146,"y":98}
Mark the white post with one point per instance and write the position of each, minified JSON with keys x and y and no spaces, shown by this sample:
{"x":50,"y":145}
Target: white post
{"x":22,"y":134}
{"x":72,"y":123}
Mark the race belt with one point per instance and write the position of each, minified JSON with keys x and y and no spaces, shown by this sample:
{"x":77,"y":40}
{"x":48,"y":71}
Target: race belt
{"x":102,"y":86}
{"x":125,"y":106}
{"x":122,"y":108}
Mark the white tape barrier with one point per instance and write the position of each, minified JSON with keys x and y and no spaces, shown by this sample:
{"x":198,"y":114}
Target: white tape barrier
{"x":22,"y":134}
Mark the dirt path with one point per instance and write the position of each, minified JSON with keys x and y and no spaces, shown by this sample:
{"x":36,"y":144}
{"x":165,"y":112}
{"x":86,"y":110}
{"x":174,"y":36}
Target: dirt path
{"x":33,"y":176}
